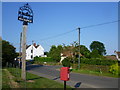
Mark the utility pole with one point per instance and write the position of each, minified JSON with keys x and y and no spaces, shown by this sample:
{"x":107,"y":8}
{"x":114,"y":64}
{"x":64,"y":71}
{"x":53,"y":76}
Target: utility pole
{"x":20,"y":44}
{"x":23,"y":74}
{"x":79,"y":48}
{"x":20,"y":50}
{"x":25,"y":14}
{"x":32,"y":49}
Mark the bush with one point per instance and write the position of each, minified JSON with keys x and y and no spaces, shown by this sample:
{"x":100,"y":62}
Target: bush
{"x":44,"y":59}
{"x":94,"y":54}
{"x":97,"y":61}
{"x":66,"y":62}
{"x":114,"y":69}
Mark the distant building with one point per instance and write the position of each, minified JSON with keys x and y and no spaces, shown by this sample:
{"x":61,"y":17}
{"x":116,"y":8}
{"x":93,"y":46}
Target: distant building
{"x":111,"y":57}
{"x":69,"y":53}
{"x":33,"y":51}
{"x":117,"y":55}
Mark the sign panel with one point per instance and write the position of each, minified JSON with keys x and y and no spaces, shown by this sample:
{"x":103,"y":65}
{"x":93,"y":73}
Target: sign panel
{"x":25,"y":14}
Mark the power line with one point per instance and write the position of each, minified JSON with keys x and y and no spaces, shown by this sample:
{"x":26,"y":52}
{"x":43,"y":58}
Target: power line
{"x":58,"y":35}
{"x":100,"y":24}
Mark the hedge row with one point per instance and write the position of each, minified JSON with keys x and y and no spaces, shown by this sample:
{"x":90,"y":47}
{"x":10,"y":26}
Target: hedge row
{"x":98,"y":61}
{"x":44,"y":59}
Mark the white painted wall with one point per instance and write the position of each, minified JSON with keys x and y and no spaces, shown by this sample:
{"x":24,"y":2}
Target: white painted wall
{"x":39,"y":51}
{"x":117,"y":55}
{"x":62,"y":58}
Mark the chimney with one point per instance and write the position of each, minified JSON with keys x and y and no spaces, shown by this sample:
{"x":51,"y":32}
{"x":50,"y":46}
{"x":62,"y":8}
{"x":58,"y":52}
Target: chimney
{"x":34,"y":44}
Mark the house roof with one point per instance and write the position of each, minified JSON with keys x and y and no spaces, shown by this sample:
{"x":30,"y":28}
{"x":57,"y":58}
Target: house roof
{"x":111,"y":57}
{"x":34,"y":44}
{"x":27,"y":46}
{"x":117,"y":54}
{"x":68,"y":52}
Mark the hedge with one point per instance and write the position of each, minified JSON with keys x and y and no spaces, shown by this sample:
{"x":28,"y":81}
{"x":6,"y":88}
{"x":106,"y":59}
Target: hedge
{"x":97,"y":61}
{"x":44,"y":59}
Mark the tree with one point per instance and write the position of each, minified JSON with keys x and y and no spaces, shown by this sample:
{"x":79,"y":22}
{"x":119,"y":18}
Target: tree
{"x":94,"y":54}
{"x":84,"y":51}
{"x":8,"y":53}
{"x":96,"y":45}
{"x":60,"y":48}
{"x":0,"y":50}
{"x":55,"y":52}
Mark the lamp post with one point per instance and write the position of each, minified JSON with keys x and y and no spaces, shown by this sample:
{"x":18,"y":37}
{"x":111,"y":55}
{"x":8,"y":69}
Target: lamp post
{"x":25,"y":14}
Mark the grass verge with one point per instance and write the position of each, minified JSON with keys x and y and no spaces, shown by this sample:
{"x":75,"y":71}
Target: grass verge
{"x":98,"y":70}
{"x":5,"y":79}
{"x":34,"y":81}
{"x":97,"y":73}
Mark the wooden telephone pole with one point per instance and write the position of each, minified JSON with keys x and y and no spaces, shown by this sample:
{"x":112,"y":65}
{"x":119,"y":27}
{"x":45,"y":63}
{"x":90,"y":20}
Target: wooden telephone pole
{"x":23,"y":74}
{"x":20,"y":44}
{"x":79,"y":48}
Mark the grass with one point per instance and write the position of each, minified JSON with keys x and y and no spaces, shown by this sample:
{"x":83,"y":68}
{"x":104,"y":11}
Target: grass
{"x":91,"y":72}
{"x":98,"y":70}
{"x":5,"y":80}
{"x":0,"y":78}
{"x":34,"y":81}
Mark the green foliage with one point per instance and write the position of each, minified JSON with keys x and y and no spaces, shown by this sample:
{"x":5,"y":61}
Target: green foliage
{"x":97,"y":61}
{"x":84,"y":51}
{"x":66,"y":62}
{"x":96,"y":45}
{"x":95,"y":54}
{"x":5,"y":80}
{"x":114,"y":69}
{"x":43,"y":59}
{"x":8,"y":52}
{"x":55,"y":52}
{"x":97,"y":48}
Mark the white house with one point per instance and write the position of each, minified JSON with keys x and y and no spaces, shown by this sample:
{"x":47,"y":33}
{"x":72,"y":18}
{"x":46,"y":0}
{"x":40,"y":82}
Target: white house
{"x":33,"y":51}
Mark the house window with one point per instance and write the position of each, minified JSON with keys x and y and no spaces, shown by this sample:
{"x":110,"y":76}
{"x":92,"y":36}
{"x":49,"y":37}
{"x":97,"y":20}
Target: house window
{"x":31,"y":56}
{"x":31,"y":51}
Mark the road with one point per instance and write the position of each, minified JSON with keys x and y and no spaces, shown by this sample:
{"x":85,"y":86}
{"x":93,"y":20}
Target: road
{"x":76,"y":80}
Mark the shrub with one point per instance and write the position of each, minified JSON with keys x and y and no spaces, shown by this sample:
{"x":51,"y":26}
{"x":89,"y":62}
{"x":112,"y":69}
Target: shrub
{"x":94,"y":54}
{"x":97,"y":61}
{"x":114,"y":69}
{"x":44,"y":59}
{"x":66,"y":62}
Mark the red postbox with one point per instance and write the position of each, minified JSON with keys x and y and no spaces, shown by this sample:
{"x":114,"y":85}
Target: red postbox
{"x":64,"y":73}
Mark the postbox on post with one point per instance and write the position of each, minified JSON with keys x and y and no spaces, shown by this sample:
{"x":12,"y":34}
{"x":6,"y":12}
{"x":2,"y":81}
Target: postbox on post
{"x":64,"y":73}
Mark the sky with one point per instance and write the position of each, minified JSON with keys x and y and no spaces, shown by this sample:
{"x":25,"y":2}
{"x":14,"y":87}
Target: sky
{"x":56,"y":23}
